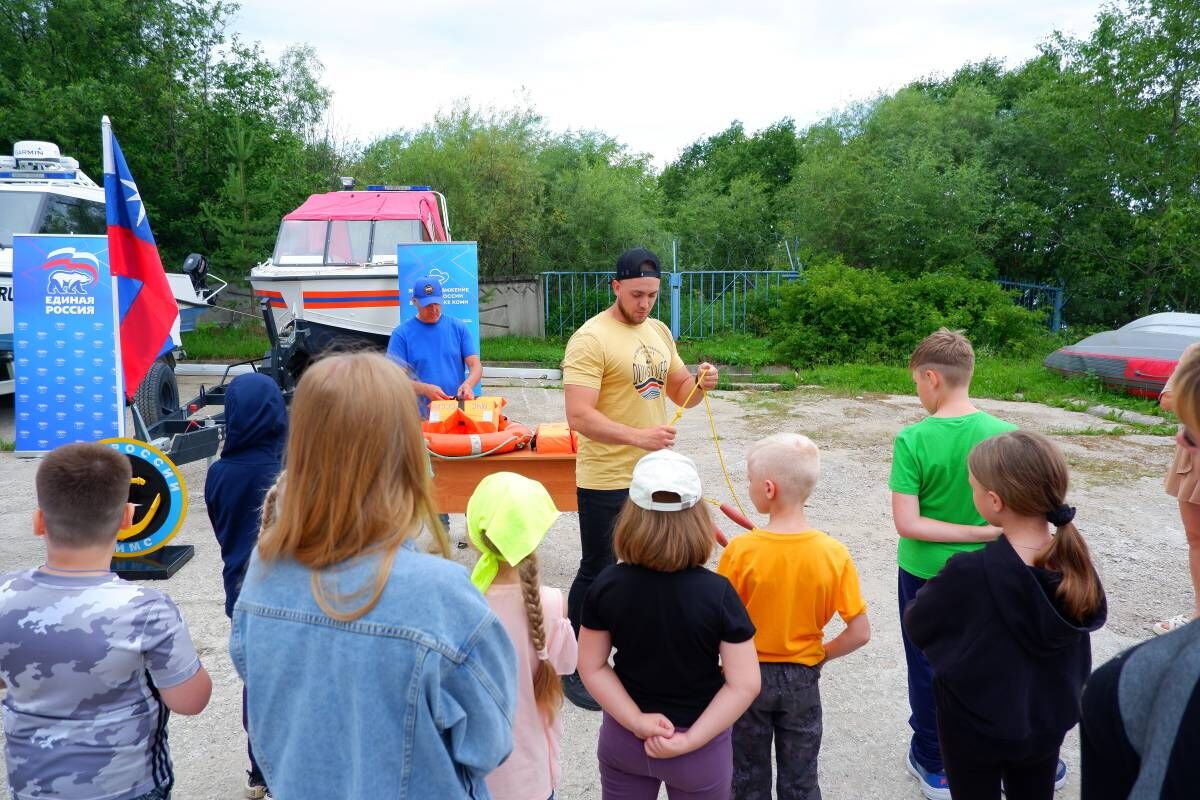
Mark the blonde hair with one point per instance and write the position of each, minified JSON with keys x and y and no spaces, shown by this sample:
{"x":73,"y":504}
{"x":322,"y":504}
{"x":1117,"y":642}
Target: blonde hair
{"x":1030,"y":475}
{"x":1186,"y":385}
{"x":947,"y":353}
{"x":666,"y":541}
{"x":791,"y":460}
{"x":547,"y":686}
{"x":357,"y":476}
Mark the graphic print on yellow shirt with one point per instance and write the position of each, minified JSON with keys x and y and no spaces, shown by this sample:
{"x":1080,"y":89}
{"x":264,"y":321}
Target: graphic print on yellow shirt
{"x":628,"y":366}
{"x":649,"y":372}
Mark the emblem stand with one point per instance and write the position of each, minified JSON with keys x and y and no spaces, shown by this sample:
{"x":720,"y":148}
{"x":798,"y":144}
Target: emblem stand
{"x":156,"y":566}
{"x":159,"y":495}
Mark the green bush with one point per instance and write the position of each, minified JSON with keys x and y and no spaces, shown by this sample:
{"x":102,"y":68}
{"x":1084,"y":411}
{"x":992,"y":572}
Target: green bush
{"x":839,"y":314}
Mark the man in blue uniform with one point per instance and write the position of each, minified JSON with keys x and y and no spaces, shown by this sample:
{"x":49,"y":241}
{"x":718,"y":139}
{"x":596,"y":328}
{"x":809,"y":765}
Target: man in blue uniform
{"x":436,"y":349}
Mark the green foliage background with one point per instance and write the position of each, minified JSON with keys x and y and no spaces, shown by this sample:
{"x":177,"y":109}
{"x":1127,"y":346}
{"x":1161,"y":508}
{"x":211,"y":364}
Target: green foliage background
{"x":1077,"y":167}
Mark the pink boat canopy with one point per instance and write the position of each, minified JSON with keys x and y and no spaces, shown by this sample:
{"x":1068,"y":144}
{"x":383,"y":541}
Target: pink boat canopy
{"x":385,"y":205}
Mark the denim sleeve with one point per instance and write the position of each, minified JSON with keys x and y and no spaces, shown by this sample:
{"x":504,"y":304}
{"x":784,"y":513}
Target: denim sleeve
{"x":478,"y":700}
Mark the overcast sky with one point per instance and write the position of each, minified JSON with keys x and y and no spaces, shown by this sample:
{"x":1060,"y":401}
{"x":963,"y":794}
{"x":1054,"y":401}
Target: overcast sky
{"x":656,"y":75}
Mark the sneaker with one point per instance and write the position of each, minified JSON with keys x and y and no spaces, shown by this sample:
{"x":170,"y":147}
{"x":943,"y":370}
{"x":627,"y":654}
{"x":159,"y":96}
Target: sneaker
{"x":577,"y":693}
{"x":1060,"y":778}
{"x":933,"y":784}
{"x":256,"y":787}
{"x":1173,"y":624}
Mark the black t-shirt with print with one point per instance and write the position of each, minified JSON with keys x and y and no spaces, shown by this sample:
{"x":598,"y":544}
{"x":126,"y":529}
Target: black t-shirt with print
{"x":667,"y":628}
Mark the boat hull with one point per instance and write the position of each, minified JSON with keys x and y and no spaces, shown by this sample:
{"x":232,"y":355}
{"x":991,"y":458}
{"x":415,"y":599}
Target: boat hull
{"x":347,"y":308}
{"x":1144,"y":377}
{"x":1137,"y":358}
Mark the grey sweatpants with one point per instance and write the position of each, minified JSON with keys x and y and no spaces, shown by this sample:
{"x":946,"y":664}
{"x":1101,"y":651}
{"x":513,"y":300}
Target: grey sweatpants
{"x":788,"y":709}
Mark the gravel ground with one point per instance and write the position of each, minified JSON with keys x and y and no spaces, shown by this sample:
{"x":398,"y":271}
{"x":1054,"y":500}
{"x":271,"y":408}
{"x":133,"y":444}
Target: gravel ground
{"x":1132,"y":526}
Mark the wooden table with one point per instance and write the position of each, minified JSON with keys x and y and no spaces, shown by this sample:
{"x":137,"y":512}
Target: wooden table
{"x":454,"y":481}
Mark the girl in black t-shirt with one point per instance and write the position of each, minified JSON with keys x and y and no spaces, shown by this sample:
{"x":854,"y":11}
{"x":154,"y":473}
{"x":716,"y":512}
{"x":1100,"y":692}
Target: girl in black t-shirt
{"x":674,"y":624}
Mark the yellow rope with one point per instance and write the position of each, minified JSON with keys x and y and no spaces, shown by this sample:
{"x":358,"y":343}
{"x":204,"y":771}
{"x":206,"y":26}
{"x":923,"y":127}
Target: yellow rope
{"x":691,"y":394}
{"x":720,"y":457}
{"x":716,"y":440}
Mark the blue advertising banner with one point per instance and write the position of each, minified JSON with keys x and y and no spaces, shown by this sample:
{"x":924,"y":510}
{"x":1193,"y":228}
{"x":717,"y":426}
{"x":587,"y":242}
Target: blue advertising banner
{"x":65,"y":347}
{"x":455,"y":265}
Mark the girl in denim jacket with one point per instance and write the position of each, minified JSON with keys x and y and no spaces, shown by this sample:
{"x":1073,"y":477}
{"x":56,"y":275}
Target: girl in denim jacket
{"x":372,"y":669}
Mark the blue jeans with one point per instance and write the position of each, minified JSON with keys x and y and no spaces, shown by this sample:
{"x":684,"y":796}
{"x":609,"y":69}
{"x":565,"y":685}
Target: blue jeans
{"x":159,"y":793}
{"x":925,"y":747}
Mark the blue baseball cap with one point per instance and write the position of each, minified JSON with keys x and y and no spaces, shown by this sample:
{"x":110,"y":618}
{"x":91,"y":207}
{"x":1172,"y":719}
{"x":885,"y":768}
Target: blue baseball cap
{"x":427,"y":290}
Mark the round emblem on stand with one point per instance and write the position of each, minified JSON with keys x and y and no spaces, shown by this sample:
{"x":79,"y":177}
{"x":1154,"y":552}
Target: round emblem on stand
{"x":159,"y":495}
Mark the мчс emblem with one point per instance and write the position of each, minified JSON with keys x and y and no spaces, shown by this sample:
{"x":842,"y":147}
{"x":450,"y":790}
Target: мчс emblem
{"x":158,"y":494}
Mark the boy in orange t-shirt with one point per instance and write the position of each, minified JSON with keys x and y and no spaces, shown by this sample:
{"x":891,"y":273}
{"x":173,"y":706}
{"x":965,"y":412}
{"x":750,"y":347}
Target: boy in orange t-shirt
{"x":792,"y":579}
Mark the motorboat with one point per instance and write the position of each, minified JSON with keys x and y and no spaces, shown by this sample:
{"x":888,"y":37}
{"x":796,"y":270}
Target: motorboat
{"x":42,"y":191}
{"x":1138,"y":357}
{"x":334,"y":264}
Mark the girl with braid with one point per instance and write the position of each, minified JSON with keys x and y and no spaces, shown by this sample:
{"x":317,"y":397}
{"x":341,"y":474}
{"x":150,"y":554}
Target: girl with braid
{"x":507,"y":518}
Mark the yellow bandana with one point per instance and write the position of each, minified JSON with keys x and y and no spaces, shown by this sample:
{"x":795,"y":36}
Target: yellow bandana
{"x":515,"y":513}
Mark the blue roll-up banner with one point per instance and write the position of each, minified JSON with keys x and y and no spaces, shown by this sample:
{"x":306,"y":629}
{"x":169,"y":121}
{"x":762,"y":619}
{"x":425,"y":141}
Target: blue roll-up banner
{"x":66,"y":349}
{"x":453,"y":264}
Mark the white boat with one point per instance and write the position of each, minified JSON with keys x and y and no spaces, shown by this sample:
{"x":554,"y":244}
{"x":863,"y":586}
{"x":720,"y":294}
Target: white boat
{"x":42,"y":191}
{"x":334,"y":264}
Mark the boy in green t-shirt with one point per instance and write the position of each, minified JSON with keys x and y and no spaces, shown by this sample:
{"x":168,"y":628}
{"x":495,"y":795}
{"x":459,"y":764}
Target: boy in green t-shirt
{"x":934,"y":513}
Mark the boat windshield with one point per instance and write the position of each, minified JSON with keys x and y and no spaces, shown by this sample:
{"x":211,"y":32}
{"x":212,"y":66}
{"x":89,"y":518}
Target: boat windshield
{"x":391,"y":232}
{"x":342,"y":242}
{"x":41,"y":212}
{"x":18,"y":211}
{"x":73,"y":215}
{"x":301,"y":241}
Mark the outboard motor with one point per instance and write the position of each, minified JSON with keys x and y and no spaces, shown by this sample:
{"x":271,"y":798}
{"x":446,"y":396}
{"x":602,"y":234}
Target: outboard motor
{"x":195,"y":266}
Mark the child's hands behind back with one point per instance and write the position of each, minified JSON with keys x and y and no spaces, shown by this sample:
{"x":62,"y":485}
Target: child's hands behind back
{"x":652,"y":725}
{"x":676,"y":744}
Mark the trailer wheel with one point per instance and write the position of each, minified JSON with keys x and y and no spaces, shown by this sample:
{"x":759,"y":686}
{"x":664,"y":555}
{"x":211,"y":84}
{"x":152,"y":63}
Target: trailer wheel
{"x":158,"y":394}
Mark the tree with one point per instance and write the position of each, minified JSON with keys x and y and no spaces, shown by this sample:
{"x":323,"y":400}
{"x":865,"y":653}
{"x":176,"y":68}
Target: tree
{"x":901,"y":185}
{"x":174,"y":84}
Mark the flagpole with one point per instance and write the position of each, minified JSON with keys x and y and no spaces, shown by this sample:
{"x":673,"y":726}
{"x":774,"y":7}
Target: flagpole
{"x":106,"y":144}
{"x":111,"y":168}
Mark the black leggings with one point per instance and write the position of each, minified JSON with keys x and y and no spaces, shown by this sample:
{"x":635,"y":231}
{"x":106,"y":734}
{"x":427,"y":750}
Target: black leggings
{"x":976,"y":766}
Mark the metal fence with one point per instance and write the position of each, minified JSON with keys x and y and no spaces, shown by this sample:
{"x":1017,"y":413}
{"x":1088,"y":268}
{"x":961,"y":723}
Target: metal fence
{"x":1038,"y":297}
{"x":700,"y":304}
{"x":703,"y":304}
{"x":695,"y":304}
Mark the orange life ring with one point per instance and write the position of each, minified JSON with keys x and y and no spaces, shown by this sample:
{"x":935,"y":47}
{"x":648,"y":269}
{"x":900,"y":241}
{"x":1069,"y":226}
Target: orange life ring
{"x":467,"y":445}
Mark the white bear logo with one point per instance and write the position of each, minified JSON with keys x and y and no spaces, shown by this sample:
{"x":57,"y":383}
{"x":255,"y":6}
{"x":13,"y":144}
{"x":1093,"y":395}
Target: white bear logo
{"x":64,"y":282}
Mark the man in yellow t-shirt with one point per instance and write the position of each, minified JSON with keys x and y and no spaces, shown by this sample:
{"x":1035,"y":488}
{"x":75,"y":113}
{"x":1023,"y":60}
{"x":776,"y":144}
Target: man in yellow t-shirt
{"x":792,"y":579}
{"x":618,"y":370}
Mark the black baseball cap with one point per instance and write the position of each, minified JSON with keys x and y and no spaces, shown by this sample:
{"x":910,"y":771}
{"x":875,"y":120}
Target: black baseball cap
{"x":638,"y":263}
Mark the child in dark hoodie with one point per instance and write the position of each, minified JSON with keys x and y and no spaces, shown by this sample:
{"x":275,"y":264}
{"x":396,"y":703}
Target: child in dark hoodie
{"x":255,"y":432}
{"x":1007,"y":628}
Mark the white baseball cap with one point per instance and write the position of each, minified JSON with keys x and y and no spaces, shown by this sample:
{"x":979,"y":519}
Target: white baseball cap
{"x":665,"y":471}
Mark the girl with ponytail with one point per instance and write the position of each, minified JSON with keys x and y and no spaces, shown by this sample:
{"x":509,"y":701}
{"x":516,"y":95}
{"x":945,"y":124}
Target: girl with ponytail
{"x":1007,"y":628}
{"x":507,"y":518}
